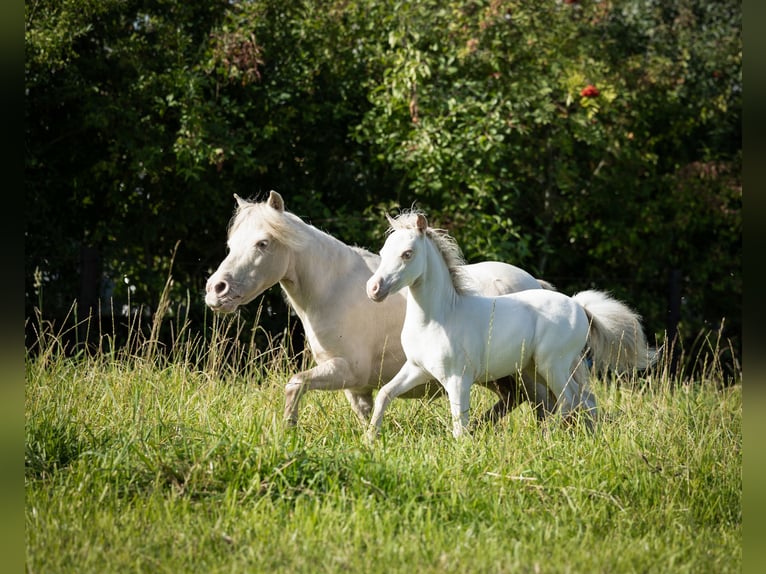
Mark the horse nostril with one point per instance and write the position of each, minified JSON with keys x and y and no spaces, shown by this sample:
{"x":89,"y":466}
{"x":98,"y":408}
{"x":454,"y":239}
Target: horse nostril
{"x":221,"y":287}
{"x":373,"y":289}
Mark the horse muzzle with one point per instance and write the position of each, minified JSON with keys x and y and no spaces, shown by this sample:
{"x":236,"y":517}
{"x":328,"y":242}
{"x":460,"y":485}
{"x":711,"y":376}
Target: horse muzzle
{"x":376,"y":289}
{"x":220,"y":306}
{"x":219,"y":297}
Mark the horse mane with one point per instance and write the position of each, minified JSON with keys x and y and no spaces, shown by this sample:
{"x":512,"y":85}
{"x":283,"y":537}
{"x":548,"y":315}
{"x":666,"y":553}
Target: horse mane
{"x":445,"y":244}
{"x":285,"y":227}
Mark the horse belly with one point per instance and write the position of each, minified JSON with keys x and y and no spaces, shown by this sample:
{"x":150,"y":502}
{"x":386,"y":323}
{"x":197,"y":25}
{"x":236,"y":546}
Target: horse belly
{"x":501,"y":360}
{"x":510,"y":339}
{"x":497,"y":348}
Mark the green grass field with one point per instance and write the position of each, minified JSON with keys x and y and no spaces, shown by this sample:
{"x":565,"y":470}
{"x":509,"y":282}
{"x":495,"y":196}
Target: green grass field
{"x":140,"y":463}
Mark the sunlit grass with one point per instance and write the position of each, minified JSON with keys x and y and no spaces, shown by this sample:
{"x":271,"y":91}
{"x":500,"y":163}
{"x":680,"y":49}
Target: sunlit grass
{"x":141,"y":461}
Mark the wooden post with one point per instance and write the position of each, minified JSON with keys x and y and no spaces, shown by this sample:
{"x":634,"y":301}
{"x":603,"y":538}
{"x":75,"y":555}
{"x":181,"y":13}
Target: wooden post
{"x":90,"y":290}
{"x":674,"y":317}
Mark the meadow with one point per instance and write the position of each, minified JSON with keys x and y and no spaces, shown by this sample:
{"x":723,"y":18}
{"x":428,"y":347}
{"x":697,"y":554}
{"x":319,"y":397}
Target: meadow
{"x":171,"y":459}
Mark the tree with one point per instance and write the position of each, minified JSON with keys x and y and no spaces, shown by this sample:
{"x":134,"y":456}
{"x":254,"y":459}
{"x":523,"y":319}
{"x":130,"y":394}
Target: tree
{"x":595,"y":143}
{"x":578,"y":140}
{"x":103,"y":83}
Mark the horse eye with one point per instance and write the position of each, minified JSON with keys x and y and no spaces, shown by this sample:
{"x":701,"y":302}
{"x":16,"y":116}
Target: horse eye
{"x":407,"y":255}
{"x":262,"y":244}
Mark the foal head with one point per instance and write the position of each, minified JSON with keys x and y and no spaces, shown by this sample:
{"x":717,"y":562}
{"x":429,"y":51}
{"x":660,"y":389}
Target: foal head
{"x":261,"y":239}
{"x":404,"y":255}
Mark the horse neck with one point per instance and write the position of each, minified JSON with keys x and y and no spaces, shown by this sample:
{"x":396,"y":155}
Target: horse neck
{"x":433,"y":295}
{"x":316,"y":269}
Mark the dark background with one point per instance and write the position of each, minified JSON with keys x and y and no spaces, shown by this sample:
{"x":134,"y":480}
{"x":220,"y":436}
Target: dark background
{"x":142,"y":118}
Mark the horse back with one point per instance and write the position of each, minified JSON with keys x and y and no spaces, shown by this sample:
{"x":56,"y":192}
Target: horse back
{"x":497,"y":278}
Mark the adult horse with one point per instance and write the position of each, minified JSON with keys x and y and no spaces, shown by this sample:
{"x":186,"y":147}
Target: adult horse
{"x":355,"y":343}
{"x":459,"y":337}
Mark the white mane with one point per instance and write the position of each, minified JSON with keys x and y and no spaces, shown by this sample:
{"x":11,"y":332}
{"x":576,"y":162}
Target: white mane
{"x":444,"y":243}
{"x":284,"y":226}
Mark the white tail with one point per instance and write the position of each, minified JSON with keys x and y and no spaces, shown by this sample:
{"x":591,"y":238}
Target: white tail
{"x":616,"y":338}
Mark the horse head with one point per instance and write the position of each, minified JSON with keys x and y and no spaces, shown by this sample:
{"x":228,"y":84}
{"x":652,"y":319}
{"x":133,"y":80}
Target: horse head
{"x":402,"y":257}
{"x":258,"y":254}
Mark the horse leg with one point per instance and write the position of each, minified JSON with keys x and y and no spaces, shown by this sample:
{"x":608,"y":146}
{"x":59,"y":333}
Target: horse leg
{"x":331,"y":375}
{"x":408,"y":377}
{"x":361,"y":402}
{"x":537,"y":394}
{"x":507,"y":389}
{"x":587,"y":400}
{"x":563,"y":385}
{"x":459,"y":392}
{"x":575,"y":394}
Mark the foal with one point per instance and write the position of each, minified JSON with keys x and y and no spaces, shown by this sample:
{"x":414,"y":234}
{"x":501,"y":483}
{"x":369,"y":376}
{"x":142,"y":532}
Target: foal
{"x":459,"y":338}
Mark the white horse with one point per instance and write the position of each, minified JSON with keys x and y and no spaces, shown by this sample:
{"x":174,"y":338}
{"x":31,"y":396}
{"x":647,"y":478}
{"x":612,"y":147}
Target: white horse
{"x":459,"y":338}
{"x":355,"y":343}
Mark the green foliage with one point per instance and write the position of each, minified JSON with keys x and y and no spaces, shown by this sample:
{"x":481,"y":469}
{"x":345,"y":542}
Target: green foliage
{"x":481,"y":106}
{"x":143,"y":117}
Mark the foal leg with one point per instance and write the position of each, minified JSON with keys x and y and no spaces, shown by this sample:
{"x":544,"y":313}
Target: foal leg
{"x":537,"y":394}
{"x":586,"y":398}
{"x":408,"y":377}
{"x":576,"y":395}
{"x":459,"y":392}
{"x":564,"y":387}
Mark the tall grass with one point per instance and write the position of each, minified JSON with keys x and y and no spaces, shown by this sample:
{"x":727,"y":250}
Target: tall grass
{"x":169,"y":459}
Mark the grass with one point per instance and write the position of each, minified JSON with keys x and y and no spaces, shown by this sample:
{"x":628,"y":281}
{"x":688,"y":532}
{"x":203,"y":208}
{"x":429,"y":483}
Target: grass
{"x":138,"y":461}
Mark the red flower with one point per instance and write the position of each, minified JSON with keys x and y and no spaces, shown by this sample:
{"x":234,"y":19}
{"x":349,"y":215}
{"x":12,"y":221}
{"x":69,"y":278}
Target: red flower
{"x":589,"y":91}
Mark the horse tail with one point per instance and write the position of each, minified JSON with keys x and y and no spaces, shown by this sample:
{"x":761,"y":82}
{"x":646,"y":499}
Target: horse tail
{"x":545,"y":284}
{"x":616,"y":338}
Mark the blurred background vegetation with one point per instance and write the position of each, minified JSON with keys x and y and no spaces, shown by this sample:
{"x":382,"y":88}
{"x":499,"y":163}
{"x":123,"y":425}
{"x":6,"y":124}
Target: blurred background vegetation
{"x":596,"y":144}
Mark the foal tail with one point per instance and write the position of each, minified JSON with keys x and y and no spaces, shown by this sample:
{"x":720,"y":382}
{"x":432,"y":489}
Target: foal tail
{"x":616,"y":338}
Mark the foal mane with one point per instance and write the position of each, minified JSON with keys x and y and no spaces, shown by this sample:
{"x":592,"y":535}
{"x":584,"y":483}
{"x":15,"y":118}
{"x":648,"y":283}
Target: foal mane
{"x":444,"y":243}
{"x":285,"y":227}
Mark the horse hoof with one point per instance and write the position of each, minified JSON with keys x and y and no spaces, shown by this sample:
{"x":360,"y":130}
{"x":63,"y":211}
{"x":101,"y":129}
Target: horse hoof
{"x":369,"y":437}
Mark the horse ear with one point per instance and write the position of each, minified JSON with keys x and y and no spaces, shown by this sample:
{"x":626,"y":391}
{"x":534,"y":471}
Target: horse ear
{"x":422,"y":222}
{"x":275,"y":200}
{"x":240,"y":202}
